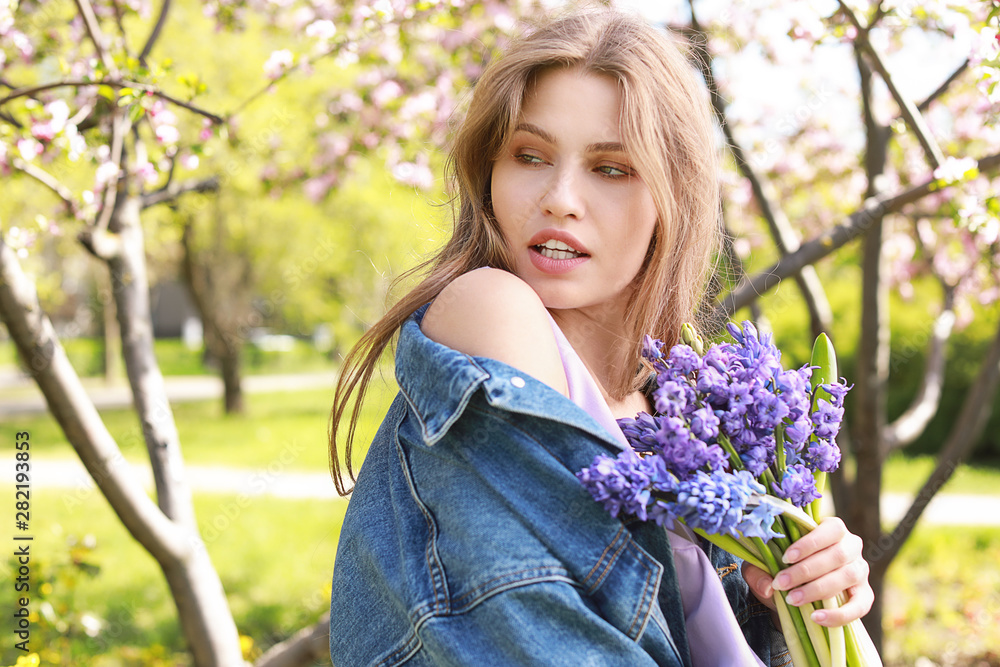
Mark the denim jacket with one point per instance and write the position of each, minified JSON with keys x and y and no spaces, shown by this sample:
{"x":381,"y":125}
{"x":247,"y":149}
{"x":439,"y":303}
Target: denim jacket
{"x":468,"y":539}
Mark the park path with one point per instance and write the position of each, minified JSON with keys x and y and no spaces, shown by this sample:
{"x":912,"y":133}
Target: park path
{"x":22,"y":397}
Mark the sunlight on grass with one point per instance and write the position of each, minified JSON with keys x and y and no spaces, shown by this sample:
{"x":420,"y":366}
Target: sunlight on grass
{"x":274,"y":557}
{"x":942,"y":598}
{"x":274,"y":425}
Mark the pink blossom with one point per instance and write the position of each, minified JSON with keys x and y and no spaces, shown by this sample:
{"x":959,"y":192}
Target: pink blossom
{"x":985,"y":46}
{"x":417,"y":174}
{"x":206,"y":130}
{"x":386,"y":92}
{"x":167,"y":135}
{"x":104,"y":174}
{"x":278,"y":63}
{"x":22,"y":43}
{"x":147,"y":172}
{"x":47,"y":130}
{"x":954,"y":169}
{"x":29,"y":149}
{"x":323,"y":30}
{"x":189,"y":161}
{"x":316,"y":188}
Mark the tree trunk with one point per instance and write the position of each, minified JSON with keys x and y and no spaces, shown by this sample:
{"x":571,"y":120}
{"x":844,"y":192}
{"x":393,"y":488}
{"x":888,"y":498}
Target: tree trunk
{"x":204,"y":613}
{"x":872,"y":373}
{"x":221,"y":340}
{"x":111,"y":333}
{"x":232,"y":379}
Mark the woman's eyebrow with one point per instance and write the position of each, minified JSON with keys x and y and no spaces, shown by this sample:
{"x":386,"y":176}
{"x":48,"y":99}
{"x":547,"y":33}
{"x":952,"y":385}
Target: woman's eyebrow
{"x":544,"y":135}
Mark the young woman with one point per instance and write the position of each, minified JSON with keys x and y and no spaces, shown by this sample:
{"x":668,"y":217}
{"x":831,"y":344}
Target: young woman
{"x":588,"y":215}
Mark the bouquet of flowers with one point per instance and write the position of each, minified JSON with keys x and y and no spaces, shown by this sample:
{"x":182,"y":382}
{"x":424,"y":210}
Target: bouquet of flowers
{"x":738,"y":452}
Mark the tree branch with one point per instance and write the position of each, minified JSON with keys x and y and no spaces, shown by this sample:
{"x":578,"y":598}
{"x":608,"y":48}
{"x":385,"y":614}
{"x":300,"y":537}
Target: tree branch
{"x":923,"y":106}
{"x":69,"y":404}
{"x":48,"y":180}
{"x":910,"y":113}
{"x":816,"y":249}
{"x":155,"y":34}
{"x":784,"y":235}
{"x":81,"y":83}
{"x":909,"y":425}
{"x":119,"y":128}
{"x":967,"y":428}
{"x":96,"y":36}
{"x":304,"y":648}
{"x":172,"y":191}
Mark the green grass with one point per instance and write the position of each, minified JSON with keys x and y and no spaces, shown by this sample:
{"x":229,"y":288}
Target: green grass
{"x":174,"y":358}
{"x":274,"y":557}
{"x":274,"y":425}
{"x":942,"y":598}
{"x":296,"y":422}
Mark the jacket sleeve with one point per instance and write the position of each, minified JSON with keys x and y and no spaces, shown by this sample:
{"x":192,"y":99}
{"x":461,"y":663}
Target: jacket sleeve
{"x":545,"y":623}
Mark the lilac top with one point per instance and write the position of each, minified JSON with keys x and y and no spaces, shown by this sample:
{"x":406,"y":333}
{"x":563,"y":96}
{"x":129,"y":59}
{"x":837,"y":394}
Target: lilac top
{"x":713,"y":634}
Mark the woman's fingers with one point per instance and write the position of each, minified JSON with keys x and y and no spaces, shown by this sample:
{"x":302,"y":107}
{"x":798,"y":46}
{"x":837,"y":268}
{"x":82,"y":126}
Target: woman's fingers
{"x":830,"y":531}
{"x":759,"y":582}
{"x":825,"y":563}
{"x":859,"y":603}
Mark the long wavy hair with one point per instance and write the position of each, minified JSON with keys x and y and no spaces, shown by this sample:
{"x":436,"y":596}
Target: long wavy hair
{"x":667,"y":130}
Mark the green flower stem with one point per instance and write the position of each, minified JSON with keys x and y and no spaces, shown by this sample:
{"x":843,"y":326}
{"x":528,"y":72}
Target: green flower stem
{"x":838,"y":647}
{"x":735,"y":547}
{"x":797,"y":625}
{"x":817,"y":636}
{"x":813,"y":507}
{"x":734,"y":457}
{"x":800,"y":657}
{"x":767,"y":479}
{"x":793,"y":531}
{"x":779,"y":449}
{"x":783,"y":527}
{"x":861,"y":643}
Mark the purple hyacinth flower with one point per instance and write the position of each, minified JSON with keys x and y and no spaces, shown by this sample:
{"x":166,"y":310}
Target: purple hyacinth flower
{"x":798,"y":431}
{"x":827,"y":418}
{"x":652,"y":348}
{"x":837,"y":391}
{"x":822,"y":455}
{"x":684,"y":359}
{"x":759,"y":522}
{"x":704,"y":424}
{"x":797,"y":486}
{"x":671,"y":397}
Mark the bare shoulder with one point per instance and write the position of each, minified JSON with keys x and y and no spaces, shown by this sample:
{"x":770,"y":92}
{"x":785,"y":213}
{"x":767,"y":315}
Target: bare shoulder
{"x":492,"y":313}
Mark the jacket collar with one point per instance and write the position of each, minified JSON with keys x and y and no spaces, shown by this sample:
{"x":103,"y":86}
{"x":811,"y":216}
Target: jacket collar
{"x":438,"y":382}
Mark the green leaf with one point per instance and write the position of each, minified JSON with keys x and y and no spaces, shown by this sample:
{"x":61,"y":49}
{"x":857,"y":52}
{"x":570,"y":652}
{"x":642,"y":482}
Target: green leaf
{"x":824,"y":361}
{"x":135,"y":112}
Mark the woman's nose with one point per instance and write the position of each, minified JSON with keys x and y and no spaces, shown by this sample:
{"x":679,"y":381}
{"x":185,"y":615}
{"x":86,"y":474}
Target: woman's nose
{"x":563,"y":197}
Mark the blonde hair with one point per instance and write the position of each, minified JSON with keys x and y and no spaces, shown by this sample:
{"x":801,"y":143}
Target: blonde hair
{"x":667,"y":130}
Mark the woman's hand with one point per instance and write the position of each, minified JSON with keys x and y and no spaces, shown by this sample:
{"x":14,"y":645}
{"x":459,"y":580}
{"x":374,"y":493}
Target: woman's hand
{"x":822,"y":564}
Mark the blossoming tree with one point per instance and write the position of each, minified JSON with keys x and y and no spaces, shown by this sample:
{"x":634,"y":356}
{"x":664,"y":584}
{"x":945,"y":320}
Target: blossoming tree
{"x":91,"y":112}
{"x":923,"y":205}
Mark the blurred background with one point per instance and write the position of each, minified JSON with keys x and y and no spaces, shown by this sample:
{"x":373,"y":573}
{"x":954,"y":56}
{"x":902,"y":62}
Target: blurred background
{"x":210,"y":200}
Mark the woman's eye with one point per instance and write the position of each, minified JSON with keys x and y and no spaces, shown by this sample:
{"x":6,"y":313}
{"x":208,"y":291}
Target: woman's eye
{"x":611,"y":170}
{"x":528,"y":158}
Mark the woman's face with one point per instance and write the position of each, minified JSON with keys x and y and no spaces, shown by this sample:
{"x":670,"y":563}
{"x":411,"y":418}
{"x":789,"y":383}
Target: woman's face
{"x":576,"y":215}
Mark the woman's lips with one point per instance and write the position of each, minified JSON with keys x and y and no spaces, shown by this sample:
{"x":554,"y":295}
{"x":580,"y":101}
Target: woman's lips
{"x":552,"y":265}
{"x":561,"y":238}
